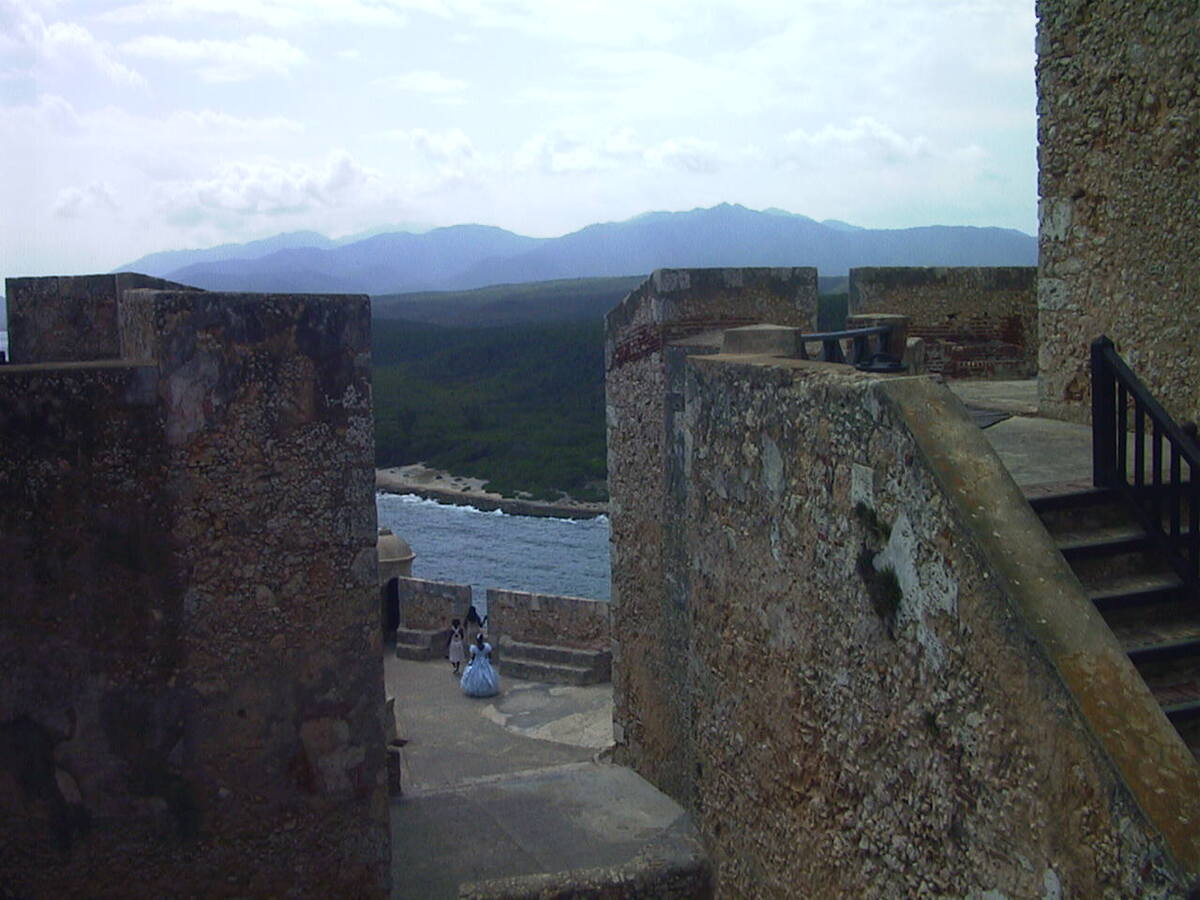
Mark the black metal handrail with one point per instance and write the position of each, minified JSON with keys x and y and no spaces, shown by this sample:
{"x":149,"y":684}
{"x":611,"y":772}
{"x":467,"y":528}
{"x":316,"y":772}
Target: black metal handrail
{"x":860,"y":349}
{"x":1164,"y":502}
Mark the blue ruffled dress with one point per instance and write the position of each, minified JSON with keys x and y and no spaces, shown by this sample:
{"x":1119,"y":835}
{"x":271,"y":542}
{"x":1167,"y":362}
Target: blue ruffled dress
{"x":480,"y":679}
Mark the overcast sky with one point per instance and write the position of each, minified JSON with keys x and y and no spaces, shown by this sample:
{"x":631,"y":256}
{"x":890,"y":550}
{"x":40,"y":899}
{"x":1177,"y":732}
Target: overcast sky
{"x":165,"y":124}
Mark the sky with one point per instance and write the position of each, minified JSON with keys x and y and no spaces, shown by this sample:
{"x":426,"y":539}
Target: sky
{"x":131,"y":127}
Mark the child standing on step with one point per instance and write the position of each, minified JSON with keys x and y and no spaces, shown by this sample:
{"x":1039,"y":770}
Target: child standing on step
{"x":457,"y":649}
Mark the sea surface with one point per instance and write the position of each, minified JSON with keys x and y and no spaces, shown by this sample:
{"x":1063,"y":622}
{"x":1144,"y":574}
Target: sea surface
{"x":496,"y":550}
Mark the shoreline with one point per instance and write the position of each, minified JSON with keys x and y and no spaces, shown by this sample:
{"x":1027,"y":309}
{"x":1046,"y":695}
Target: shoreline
{"x":443,"y":487}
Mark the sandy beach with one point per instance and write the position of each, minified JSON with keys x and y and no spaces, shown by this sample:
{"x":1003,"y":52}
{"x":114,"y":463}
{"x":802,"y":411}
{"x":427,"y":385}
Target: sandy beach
{"x":446,"y":488}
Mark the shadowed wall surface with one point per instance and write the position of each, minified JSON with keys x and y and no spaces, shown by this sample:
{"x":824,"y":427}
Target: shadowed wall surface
{"x":195,"y":693}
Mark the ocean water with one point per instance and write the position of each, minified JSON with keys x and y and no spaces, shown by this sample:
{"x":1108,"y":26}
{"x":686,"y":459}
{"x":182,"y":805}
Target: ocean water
{"x":493,"y":549}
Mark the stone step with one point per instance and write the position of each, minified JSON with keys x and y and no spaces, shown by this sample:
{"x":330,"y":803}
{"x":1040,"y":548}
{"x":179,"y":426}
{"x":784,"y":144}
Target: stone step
{"x":1141,"y":590}
{"x":1080,"y":509}
{"x":553,"y":673}
{"x":569,"y":656}
{"x":418,"y":644}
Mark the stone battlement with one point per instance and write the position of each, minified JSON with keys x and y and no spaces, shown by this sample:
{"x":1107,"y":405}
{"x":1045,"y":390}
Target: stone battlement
{"x":187,"y":552}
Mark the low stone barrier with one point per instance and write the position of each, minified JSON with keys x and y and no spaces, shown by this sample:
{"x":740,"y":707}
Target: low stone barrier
{"x":430,"y":605}
{"x":548,"y":619}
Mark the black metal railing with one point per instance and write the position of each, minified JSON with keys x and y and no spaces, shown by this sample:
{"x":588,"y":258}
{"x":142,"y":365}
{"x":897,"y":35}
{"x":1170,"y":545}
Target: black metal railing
{"x":1167,"y":502}
{"x":859,"y":342}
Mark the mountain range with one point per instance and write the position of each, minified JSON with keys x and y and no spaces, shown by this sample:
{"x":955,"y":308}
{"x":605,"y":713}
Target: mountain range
{"x":462,"y":257}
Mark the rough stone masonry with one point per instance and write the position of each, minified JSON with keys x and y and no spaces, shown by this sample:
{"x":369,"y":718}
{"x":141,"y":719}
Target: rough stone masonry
{"x":193,"y":691}
{"x":1119,"y":180}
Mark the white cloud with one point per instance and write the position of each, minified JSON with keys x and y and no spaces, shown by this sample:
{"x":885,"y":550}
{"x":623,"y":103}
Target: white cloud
{"x":265,"y":188}
{"x":451,"y":154}
{"x":425,"y":81}
{"x":274,"y":13}
{"x":559,"y":153}
{"x":864,"y":140}
{"x":74,"y":201}
{"x":222,"y":61}
{"x":30,"y":45}
{"x":50,"y":118}
{"x":687,"y":155}
{"x":570,"y":153}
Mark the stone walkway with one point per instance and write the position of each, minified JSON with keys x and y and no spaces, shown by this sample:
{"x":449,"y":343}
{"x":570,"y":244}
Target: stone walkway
{"x":1037,"y":452}
{"x":507,"y":788}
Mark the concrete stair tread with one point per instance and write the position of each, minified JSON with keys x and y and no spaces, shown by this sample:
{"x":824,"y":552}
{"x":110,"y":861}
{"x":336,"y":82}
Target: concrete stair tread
{"x":554,"y":672}
{"x":1134,"y":583}
{"x":511,"y":661}
{"x":1145,"y":636}
{"x":421,"y":644}
{"x":1068,"y":496}
{"x":1145,"y":604}
{"x":1175,"y":693}
{"x":551,"y":653}
{"x":1112,"y":536}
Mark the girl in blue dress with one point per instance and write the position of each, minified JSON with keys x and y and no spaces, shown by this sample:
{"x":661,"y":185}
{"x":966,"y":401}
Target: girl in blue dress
{"x":480,"y":679}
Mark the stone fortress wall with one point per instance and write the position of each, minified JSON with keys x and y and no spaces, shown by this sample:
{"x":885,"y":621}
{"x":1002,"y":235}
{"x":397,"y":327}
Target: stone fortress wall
{"x":549,"y":619}
{"x":644,"y":397}
{"x":976,"y":322}
{"x":1119,"y":237}
{"x":867,"y":700}
{"x":544,"y":619}
{"x":193,"y":690}
{"x":430,"y":605}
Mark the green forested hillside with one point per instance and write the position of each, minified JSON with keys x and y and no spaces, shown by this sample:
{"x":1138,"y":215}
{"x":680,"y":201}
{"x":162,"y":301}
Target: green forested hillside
{"x":520,"y":405}
{"x":508,"y":304}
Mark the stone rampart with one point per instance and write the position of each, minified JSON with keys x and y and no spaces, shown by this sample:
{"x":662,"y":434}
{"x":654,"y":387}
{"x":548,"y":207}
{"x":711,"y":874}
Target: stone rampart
{"x":193,"y":668}
{"x":883,"y":671}
{"x":644,"y":390}
{"x":70,"y":318}
{"x":548,"y":619}
{"x":1119,"y":235}
{"x":975,"y":322}
{"x":430,"y":605}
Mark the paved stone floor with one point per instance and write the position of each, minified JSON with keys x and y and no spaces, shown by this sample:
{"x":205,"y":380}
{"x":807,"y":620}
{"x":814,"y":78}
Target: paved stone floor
{"x":508,"y":786}
{"x":1035,"y":451}
{"x":453,"y":738}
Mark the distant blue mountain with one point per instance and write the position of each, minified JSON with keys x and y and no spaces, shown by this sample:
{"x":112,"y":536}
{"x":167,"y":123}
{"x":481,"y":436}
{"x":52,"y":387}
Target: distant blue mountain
{"x":375,"y":265}
{"x":159,"y":264}
{"x":471,"y":256}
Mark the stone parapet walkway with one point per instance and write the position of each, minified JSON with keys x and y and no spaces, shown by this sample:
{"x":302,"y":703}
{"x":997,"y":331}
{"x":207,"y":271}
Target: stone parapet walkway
{"x":503,"y":797}
{"x":1038,"y":452}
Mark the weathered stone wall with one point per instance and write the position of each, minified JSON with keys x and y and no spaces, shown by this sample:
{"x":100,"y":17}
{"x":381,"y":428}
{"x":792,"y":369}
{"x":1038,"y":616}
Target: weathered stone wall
{"x":976,"y":322}
{"x":548,"y":619}
{"x":91,"y":628}
{"x":878,"y":708}
{"x":430,"y":605}
{"x":70,"y":318}
{"x":671,"y":306}
{"x":1119,"y":236}
{"x":190,"y":632}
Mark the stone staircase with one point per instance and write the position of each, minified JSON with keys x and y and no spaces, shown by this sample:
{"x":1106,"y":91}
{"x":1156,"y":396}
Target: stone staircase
{"x":1154,"y":616}
{"x":557,"y":665}
{"x":414,"y":643}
